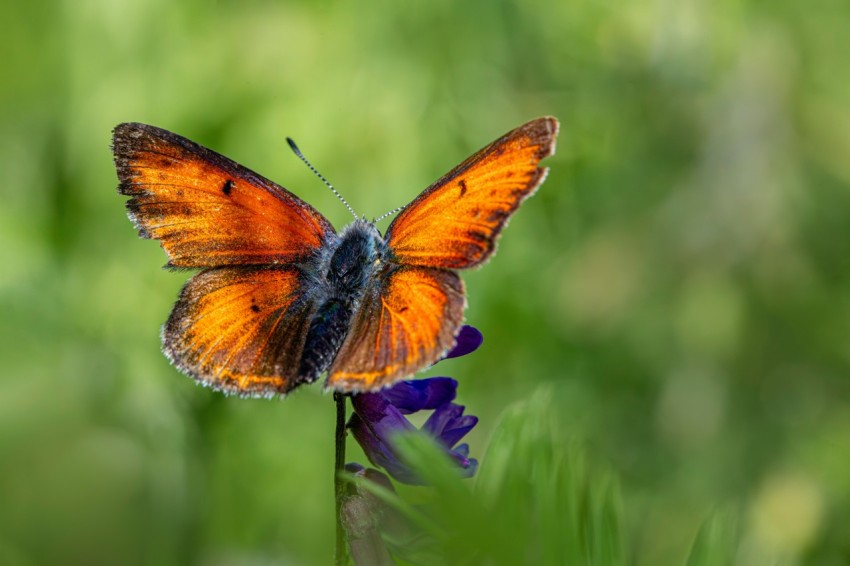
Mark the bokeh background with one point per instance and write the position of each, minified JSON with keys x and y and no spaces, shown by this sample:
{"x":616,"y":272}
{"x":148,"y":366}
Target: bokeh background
{"x":681,"y":282}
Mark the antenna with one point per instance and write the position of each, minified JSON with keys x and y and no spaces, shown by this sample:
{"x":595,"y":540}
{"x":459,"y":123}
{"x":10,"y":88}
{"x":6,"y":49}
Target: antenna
{"x":390,"y":213}
{"x":319,"y":175}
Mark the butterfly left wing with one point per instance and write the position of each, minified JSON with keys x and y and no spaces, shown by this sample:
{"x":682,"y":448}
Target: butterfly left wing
{"x":403,"y":326}
{"x":454,"y":223}
{"x":206,"y":209}
{"x":240,"y":329}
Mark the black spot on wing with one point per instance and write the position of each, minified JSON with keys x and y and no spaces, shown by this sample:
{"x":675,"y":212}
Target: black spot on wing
{"x":227,"y":188}
{"x":462,"y":185}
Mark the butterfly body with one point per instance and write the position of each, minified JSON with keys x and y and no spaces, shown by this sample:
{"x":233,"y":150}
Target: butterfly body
{"x":340,"y":276}
{"x":281,"y":297}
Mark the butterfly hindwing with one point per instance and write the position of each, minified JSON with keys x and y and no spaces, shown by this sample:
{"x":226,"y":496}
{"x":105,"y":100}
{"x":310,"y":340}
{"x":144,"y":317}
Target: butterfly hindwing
{"x":454,"y":223}
{"x":206,"y":209}
{"x":240,"y":329}
{"x":403,"y":325}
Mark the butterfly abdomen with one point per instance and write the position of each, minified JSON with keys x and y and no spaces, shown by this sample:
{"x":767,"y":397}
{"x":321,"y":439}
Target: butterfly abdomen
{"x":324,"y":338}
{"x":346,"y":276}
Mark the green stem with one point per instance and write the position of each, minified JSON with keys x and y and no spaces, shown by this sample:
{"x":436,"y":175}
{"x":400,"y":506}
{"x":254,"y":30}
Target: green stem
{"x":341,"y":554}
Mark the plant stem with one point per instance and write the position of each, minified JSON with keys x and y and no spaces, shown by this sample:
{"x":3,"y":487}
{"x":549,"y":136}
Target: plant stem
{"x":341,"y":554}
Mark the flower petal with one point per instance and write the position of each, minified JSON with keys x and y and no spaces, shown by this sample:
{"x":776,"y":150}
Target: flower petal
{"x":379,"y":417}
{"x":377,"y":448}
{"x":448,"y":424}
{"x":373,"y":424}
{"x":421,"y":394}
{"x":462,"y":449}
{"x":467,"y":464}
{"x":468,"y":340}
{"x":441,"y":417}
{"x":458,"y":430}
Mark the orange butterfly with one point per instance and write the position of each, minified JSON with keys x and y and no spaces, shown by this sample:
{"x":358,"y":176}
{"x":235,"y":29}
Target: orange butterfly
{"x":282,"y":297}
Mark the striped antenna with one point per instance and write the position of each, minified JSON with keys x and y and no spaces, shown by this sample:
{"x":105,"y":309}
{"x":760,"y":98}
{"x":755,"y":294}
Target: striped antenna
{"x":319,"y":175}
{"x":390,"y":213}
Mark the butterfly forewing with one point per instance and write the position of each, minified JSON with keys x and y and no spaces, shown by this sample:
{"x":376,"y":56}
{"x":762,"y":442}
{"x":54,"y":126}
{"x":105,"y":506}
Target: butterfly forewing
{"x":455,"y":222}
{"x":403,"y":326}
{"x":240,"y":329}
{"x":207,"y":210}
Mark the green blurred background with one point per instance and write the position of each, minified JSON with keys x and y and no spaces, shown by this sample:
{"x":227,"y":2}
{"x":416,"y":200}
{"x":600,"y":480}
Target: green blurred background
{"x":681,"y":281}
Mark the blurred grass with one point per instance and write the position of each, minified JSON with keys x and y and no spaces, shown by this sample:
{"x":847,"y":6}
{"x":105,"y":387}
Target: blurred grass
{"x":536,"y":502}
{"x":680,"y":282}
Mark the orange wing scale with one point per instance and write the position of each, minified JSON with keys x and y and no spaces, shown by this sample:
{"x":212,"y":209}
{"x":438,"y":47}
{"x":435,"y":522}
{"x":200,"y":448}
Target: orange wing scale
{"x":240,"y":329}
{"x":405,"y":327}
{"x":454,"y":223}
{"x":207,"y":210}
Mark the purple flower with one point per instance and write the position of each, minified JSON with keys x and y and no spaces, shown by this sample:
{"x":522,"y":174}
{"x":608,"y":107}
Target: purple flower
{"x":378,"y":417}
{"x":468,"y":340}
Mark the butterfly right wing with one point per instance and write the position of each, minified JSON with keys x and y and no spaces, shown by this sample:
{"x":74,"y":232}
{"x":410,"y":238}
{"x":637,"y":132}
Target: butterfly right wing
{"x":241,"y":329}
{"x":403,"y":325}
{"x":412,"y":317}
{"x":455,"y":222}
{"x":206,"y":209}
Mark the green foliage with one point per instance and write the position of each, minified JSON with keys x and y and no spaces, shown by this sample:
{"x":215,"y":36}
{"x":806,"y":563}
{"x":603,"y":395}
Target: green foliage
{"x":717,"y":540}
{"x":536,"y":501}
{"x":533,"y":503}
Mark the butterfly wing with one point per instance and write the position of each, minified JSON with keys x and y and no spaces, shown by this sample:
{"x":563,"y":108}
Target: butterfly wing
{"x":454,"y":223}
{"x":403,"y":325}
{"x":207,"y":210}
{"x":411,"y":318}
{"x":240,"y":329}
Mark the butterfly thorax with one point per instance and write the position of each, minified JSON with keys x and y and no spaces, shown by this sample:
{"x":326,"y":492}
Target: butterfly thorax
{"x":358,"y":257}
{"x":346,"y":272}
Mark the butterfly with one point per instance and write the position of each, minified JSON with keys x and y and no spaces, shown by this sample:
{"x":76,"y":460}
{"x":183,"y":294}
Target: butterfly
{"x":281,"y":297}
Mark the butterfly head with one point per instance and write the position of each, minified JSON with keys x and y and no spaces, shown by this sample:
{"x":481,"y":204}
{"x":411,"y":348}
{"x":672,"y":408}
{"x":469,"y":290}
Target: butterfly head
{"x":360,"y":254}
